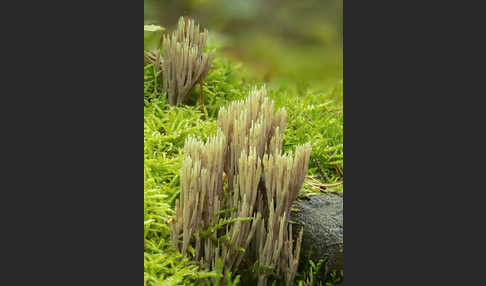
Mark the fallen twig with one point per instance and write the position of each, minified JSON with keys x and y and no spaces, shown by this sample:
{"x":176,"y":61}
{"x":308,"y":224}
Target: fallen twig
{"x":312,"y":182}
{"x":201,"y":99}
{"x":340,"y":172}
{"x":323,"y":175}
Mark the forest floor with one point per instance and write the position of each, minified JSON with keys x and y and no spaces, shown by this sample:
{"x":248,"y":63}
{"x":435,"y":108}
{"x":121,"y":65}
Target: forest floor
{"x":314,"y":114}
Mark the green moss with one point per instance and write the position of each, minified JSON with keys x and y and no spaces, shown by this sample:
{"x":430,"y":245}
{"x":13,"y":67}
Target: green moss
{"x":313,"y":115}
{"x":316,"y":116}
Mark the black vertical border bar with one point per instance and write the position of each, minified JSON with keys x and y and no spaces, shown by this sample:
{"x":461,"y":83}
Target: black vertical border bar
{"x":414,"y":143}
{"x":71,"y":202}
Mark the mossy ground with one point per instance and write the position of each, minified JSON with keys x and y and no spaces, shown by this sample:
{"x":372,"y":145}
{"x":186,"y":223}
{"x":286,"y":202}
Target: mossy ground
{"x":314,"y":115}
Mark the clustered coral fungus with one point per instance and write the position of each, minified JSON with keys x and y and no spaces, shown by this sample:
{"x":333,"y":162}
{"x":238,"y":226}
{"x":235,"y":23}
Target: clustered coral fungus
{"x":184,"y":62}
{"x":236,"y":192}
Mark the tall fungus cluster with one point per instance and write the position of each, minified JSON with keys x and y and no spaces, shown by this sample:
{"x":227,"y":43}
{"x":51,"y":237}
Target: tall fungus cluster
{"x":236,"y":193}
{"x":184,"y":61}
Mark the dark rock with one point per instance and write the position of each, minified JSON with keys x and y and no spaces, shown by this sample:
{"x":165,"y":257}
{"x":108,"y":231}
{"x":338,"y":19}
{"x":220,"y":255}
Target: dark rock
{"x":322,"y":219}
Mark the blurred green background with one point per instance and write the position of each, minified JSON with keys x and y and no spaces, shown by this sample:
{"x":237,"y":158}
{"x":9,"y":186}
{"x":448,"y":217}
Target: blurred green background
{"x":297,"y":41}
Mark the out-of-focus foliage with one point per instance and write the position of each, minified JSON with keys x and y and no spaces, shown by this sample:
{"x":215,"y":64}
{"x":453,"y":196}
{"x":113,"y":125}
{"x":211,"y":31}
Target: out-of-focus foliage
{"x":151,"y":36}
{"x":300,"y":41}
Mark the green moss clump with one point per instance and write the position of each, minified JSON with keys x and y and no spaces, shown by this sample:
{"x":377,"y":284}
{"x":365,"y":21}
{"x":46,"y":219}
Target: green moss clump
{"x":313,"y":115}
